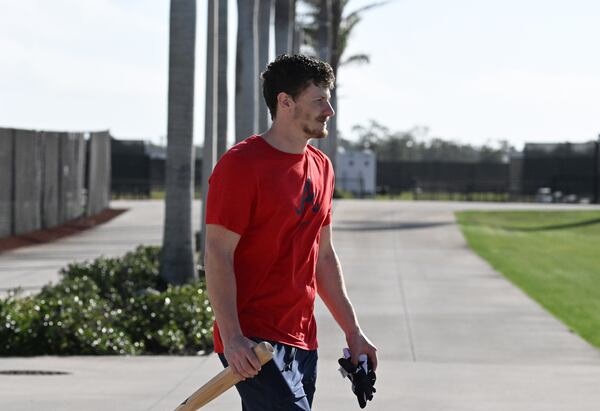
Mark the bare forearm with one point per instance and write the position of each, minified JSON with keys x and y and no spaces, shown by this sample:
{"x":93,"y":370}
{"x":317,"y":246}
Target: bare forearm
{"x":222,"y":292}
{"x":332,"y":290}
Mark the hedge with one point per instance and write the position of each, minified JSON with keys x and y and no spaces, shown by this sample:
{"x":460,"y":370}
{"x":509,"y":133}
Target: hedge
{"x":108,"y":306}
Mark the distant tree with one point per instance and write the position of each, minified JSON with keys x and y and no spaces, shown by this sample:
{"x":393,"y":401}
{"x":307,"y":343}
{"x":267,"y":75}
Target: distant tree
{"x":501,"y":154}
{"x":406,"y":146}
{"x":177,"y":259}
{"x":371,"y":135}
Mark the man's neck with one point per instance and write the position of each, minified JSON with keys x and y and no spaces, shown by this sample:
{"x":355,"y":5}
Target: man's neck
{"x":284,"y":139}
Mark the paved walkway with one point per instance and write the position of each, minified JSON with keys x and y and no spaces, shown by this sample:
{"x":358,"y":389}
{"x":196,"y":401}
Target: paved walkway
{"x":453,"y":334}
{"x":32,"y":267}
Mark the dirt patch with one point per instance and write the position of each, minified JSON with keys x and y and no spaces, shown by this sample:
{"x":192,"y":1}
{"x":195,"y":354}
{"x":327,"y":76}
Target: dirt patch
{"x":63,"y":230}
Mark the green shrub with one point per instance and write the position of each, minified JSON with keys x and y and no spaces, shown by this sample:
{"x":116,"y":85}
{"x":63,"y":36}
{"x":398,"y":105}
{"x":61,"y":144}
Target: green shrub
{"x":109,"y":306}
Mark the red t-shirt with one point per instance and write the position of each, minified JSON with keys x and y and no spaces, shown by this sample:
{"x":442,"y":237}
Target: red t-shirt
{"x":278,"y":202}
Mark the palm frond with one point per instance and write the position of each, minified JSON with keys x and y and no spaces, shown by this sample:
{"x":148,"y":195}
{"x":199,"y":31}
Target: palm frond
{"x":345,"y":26}
{"x":357,"y":59}
{"x":360,"y":10}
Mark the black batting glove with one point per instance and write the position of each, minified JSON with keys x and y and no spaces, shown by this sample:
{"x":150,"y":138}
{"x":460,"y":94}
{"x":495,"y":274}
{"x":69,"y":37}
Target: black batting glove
{"x":362,"y":377}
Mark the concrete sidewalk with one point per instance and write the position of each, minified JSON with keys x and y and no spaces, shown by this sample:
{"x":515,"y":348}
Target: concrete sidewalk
{"x":452,"y":333}
{"x":33,"y":267}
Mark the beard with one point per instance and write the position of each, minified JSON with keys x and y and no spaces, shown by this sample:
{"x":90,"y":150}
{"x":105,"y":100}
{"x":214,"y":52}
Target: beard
{"x":311,"y":129}
{"x":318,"y":133}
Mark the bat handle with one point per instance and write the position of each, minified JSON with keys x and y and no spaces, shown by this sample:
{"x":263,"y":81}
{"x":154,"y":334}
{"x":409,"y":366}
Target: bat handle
{"x":223,"y":381}
{"x":264,"y":351}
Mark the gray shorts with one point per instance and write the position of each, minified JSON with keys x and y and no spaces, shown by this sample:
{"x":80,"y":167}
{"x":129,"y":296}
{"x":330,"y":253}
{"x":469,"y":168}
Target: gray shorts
{"x":285,"y":384}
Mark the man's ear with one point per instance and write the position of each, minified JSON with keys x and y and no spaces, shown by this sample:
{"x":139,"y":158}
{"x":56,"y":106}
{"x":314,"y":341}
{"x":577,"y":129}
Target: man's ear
{"x":285,"y":101}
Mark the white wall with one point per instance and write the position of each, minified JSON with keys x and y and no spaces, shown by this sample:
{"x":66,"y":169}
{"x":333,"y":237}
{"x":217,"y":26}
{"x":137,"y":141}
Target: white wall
{"x":356,"y":171}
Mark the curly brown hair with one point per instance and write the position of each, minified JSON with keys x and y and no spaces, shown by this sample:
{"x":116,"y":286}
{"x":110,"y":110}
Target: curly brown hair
{"x":292,"y":74}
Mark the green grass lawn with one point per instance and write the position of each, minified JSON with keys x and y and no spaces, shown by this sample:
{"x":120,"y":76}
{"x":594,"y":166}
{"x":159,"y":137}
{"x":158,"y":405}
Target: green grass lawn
{"x":554,"y":256}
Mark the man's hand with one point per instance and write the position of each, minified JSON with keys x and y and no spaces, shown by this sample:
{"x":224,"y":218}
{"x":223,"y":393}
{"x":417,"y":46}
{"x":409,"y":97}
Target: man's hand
{"x":242,"y":360}
{"x":358,"y":344}
{"x":362,"y":377}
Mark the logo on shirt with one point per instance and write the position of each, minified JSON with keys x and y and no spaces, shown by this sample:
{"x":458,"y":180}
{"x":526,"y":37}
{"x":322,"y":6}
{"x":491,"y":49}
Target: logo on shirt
{"x":308,"y":199}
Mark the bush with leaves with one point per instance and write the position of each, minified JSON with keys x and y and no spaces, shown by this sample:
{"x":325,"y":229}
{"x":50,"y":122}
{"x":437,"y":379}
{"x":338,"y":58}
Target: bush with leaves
{"x":109,"y":306}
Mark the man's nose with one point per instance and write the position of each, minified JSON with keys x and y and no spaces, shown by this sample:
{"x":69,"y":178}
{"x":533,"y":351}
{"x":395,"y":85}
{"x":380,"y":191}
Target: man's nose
{"x":329,"y":111}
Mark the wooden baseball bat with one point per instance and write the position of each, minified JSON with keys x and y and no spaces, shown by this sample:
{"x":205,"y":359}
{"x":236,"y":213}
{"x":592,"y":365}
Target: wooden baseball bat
{"x":222,"y":381}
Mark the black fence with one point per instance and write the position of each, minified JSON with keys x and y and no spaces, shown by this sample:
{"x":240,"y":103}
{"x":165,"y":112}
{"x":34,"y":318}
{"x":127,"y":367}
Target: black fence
{"x":138,"y":169}
{"x":573,"y":176}
{"x":130,"y":169}
{"x":543,"y":172}
{"x":442,"y":177}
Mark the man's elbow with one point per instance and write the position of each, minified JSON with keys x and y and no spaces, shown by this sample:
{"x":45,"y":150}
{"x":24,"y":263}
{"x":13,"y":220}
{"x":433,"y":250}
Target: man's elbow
{"x":216,"y":256}
{"x":326,"y":263}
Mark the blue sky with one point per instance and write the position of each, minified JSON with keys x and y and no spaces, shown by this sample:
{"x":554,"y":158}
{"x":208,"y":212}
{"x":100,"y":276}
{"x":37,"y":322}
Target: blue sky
{"x":473,"y":71}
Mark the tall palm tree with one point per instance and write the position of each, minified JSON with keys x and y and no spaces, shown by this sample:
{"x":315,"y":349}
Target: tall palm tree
{"x":264,"y":28}
{"x":285,"y":15}
{"x":177,"y":259}
{"x":341,"y":26}
{"x":222,"y":103}
{"x":211,"y":105}
{"x":246,"y":70}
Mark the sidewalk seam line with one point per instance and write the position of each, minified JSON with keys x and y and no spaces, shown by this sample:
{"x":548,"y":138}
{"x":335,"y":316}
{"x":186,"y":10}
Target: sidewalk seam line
{"x":179,"y":384}
{"x":403,"y":296}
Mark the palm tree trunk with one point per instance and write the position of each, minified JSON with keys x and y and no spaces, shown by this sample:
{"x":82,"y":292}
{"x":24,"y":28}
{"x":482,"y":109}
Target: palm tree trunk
{"x":336,"y":17}
{"x":332,"y":137}
{"x":211,"y":108}
{"x":324,"y":36}
{"x":177,"y":259}
{"x":284,"y":26}
{"x":337,"y":9}
{"x":223,"y":100}
{"x":246,"y":73}
{"x":264,"y":29}
{"x":324,"y":49}
{"x":298,"y":39}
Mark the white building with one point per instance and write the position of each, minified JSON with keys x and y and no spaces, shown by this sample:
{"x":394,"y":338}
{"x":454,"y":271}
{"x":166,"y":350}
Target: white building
{"x":356,"y":171}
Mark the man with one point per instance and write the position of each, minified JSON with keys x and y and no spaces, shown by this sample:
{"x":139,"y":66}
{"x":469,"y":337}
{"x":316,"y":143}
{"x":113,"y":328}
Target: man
{"x":269,"y":244}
